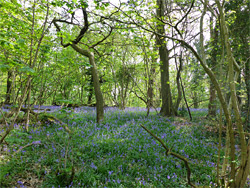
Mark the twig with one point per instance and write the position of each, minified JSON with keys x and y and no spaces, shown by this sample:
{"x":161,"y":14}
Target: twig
{"x":21,"y":148}
{"x":152,"y":134}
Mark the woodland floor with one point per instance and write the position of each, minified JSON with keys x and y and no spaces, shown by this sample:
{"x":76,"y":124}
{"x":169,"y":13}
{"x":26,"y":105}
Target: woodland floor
{"x":116,"y":153}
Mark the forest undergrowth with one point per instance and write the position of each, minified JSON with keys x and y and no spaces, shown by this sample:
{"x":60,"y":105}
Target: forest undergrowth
{"x":116,"y":153}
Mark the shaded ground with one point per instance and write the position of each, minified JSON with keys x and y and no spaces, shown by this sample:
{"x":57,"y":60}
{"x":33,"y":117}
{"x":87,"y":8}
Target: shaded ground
{"x":117,"y":153}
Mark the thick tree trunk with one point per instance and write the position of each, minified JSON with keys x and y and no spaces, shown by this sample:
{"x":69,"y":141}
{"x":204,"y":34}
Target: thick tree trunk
{"x":166,"y":108}
{"x":98,"y":93}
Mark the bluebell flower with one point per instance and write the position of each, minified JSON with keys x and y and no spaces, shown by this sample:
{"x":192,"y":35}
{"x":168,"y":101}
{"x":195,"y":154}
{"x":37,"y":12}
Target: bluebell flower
{"x":110,"y":172}
{"x":93,"y":166}
{"x":36,"y":142}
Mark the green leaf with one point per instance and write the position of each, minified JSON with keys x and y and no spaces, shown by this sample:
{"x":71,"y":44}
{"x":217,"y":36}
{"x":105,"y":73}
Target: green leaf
{"x":27,"y":70}
{"x":4,"y":68}
{"x":21,"y":42}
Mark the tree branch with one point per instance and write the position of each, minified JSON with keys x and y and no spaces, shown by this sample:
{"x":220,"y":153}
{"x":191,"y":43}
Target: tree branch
{"x":168,"y":152}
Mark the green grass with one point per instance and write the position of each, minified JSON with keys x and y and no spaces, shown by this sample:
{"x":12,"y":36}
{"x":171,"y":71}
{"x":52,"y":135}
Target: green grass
{"x":117,"y":153}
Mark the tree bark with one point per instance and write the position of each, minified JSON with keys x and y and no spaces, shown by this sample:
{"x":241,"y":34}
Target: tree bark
{"x":178,"y":78}
{"x":212,"y":93}
{"x":247,"y":81}
{"x":98,"y":93}
{"x":212,"y":101}
{"x":166,"y":108}
{"x":9,"y":88}
{"x":90,"y":90}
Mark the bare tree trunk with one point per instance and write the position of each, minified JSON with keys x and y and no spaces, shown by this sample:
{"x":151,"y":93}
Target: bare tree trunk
{"x":98,"y":93}
{"x":90,"y":89}
{"x":150,"y":92}
{"x":178,"y":80}
{"x":166,"y":108}
{"x":195,"y":100}
{"x":212,"y":92}
{"x":212,"y":101}
{"x":9,"y":87}
{"x":247,"y":81}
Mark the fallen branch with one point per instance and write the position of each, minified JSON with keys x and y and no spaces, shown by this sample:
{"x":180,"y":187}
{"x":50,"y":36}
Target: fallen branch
{"x":169,"y":152}
{"x":55,"y":120}
{"x":21,"y":148}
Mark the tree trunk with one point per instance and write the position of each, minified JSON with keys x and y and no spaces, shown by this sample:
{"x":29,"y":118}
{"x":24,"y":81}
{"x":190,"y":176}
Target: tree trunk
{"x":150,"y":93}
{"x":195,"y":100}
{"x":90,"y":89}
{"x":239,"y":179}
{"x":98,"y":93}
{"x":166,"y":108}
{"x":247,"y":81}
{"x":151,"y":76}
{"x":212,"y":92}
{"x":212,"y":101}
{"x":9,"y":88}
{"x":178,"y":81}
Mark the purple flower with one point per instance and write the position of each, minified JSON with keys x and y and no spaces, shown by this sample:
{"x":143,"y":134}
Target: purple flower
{"x":93,"y":166}
{"x":36,"y":142}
{"x":110,"y":172}
{"x":19,"y":182}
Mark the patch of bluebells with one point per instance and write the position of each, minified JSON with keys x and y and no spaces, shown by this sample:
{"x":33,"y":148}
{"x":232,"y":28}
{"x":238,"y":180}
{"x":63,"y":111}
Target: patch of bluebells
{"x":119,"y":151}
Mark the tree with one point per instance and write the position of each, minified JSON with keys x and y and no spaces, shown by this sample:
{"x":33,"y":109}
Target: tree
{"x":86,"y":53}
{"x":212,"y":64}
{"x":166,"y":108}
{"x":31,"y":59}
{"x":237,"y":15}
{"x":236,"y":179}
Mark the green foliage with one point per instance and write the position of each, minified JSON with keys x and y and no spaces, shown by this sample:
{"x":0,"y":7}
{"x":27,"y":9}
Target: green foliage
{"x":182,"y":112}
